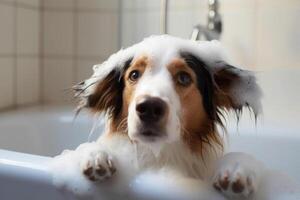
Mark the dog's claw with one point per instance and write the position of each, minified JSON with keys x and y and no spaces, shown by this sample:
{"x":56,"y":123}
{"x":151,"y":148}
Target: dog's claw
{"x":98,"y":167}
{"x":234,"y":182}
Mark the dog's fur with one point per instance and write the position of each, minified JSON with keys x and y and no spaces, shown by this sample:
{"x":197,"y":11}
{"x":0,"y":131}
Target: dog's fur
{"x":187,"y":136}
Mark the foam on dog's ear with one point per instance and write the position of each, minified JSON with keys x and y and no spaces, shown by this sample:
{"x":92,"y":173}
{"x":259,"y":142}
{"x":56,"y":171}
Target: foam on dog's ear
{"x":236,"y":88}
{"x":103,"y":91}
{"x":223,"y":86}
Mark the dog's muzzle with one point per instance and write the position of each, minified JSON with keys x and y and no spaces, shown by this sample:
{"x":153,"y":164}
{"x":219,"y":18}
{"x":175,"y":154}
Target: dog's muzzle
{"x":152,"y":112}
{"x":151,"y":109}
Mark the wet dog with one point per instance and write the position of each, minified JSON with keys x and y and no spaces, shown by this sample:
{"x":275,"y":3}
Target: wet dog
{"x":168,"y":95}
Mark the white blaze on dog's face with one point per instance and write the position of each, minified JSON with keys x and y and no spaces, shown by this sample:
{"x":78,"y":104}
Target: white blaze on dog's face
{"x":165,"y":89}
{"x":154,"y":107}
{"x":163,"y":100}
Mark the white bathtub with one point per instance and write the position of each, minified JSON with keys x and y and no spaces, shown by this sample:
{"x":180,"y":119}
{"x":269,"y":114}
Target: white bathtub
{"x":43,"y":131}
{"x":28,"y":139}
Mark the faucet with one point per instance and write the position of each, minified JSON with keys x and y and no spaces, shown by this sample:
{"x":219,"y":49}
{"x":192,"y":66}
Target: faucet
{"x":213,"y":29}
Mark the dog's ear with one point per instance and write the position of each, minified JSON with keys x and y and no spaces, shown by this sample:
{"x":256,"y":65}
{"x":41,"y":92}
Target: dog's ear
{"x":236,"y":88}
{"x":224,"y":87}
{"x":103,"y":91}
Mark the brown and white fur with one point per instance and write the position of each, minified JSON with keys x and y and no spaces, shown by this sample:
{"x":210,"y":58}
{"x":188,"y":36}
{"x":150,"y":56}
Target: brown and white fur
{"x":166,"y":96}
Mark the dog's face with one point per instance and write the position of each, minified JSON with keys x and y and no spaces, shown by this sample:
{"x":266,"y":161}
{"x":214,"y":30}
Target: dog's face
{"x":170,"y":96}
{"x":161,"y":99}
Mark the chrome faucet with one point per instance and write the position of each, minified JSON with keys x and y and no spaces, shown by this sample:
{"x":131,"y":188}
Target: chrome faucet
{"x":213,"y":29}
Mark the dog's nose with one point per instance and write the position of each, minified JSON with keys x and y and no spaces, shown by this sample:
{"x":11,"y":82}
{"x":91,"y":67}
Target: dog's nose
{"x":151,"y":109}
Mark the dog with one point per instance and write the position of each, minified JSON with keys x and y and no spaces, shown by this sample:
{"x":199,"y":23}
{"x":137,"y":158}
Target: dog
{"x":167,"y":96}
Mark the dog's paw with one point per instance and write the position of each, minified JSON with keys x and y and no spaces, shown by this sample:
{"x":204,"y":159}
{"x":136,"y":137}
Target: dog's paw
{"x":238,"y":175}
{"x":234,"y":183}
{"x":98,"y":166}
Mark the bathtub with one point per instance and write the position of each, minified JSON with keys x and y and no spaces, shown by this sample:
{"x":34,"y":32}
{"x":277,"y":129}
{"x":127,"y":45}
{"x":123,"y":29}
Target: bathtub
{"x":29,"y":137}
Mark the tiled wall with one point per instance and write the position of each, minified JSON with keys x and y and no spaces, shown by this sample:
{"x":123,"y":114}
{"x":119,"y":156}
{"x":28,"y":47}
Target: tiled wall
{"x":48,"y":45}
{"x":19,"y":52}
{"x":258,"y":34}
{"x":76,"y":35}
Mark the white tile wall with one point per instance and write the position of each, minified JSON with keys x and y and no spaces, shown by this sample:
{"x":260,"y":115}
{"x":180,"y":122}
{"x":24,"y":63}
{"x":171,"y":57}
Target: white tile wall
{"x":85,"y":69}
{"x":35,"y":3}
{"x":58,"y":78}
{"x":134,"y":5}
{"x":137,"y":25}
{"x":147,"y":23}
{"x":48,"y":45}
{"x":19,"y":52}
{"x":195,"y":5}
{"x":147,"y":5}
{"x":58,"y":33}
{"x":256,"y":33}
{"x":28,"y":31}
{"x":187,"y":19}
{"x":7,"y":29}
{"x":7,"y":82}
{"x":128,"y":5}
{"x":278,"y":34}
{"x":75,"y":35}
{"x":235,"y":4}
{"x":58,"y":4}
{"x":8,"y":1}
{"x":97,"y":34}
{"x":128,"y":29}
{"x":28,"y":81}
{"x":239,"y":31}
{"x":98,"y":4}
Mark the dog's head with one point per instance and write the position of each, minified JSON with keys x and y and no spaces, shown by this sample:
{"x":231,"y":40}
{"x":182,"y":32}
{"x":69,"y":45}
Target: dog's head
{"x":166,"y":89}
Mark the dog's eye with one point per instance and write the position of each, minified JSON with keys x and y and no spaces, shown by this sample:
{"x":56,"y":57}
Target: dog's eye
{"x":184,"y":79}
{"x":134,"y":75}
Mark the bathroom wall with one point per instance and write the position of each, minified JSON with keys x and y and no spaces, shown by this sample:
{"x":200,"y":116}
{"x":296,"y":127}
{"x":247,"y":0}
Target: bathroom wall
{"x":76,"y":35}
{"x":48,"y":45}
{"x":19,"y":52}
{"x":258,"y":34}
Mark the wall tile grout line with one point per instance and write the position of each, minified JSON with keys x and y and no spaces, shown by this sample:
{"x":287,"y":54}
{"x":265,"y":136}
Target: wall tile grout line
{"x":9,"y":55}
{"x":27,"y":6}
{"x":256,"y":12}
{"x":19,"y":5}
{"x":75,"y":41}
{"x":84,"y":57}
{"x":7,"y":3}
{"x":120,"y":14}
{"x":80,"y":10}
{"x":55,"y":56}
{"x":15,"y":49}
{"x":41,"y":53}
{"x":17,"y":56}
